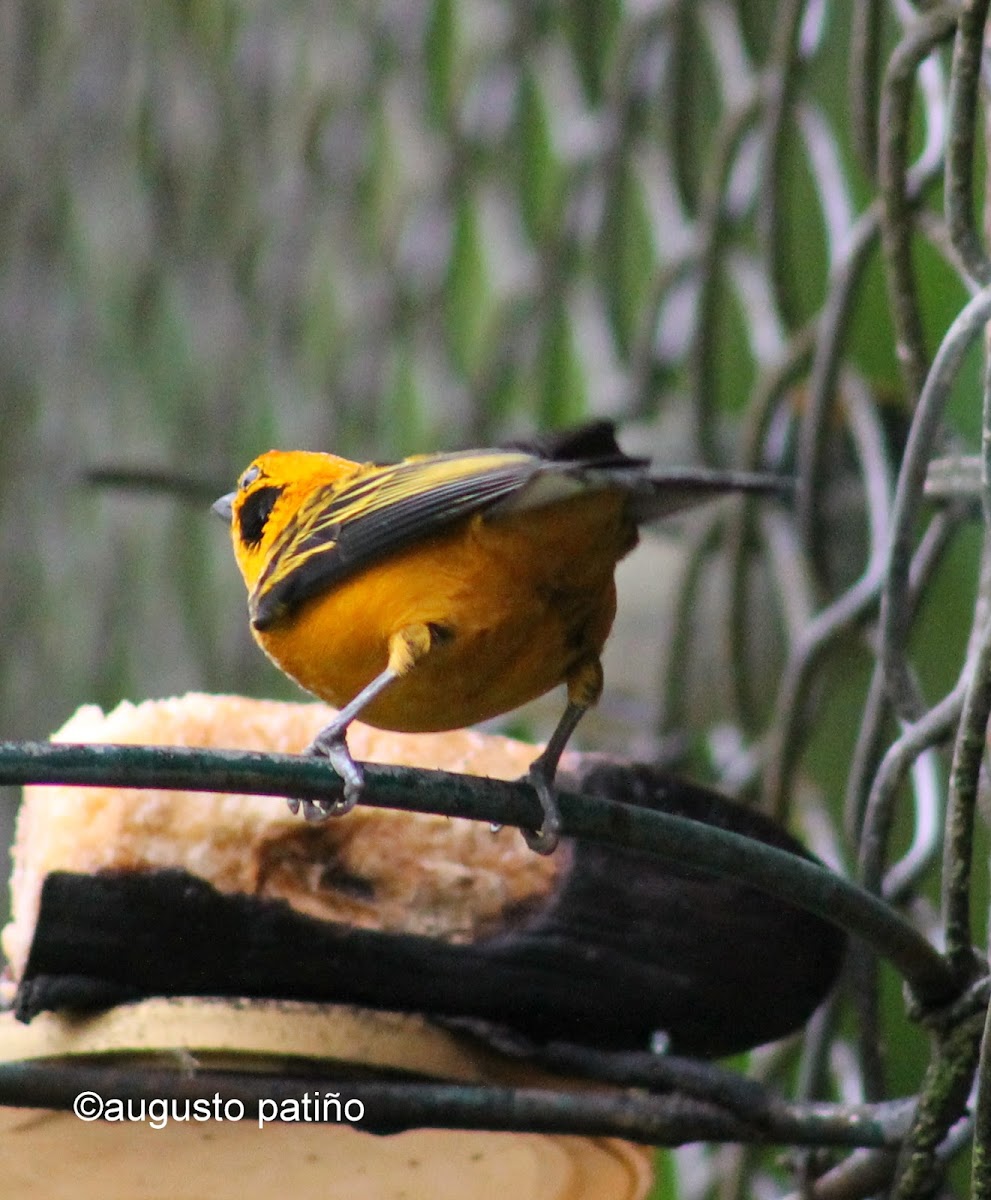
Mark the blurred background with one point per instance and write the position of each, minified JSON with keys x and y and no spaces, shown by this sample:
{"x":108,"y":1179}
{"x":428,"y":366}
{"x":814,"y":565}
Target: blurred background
{"x":382,"y":228}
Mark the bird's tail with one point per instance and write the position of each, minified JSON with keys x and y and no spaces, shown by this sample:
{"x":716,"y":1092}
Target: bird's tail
{"x":660,"y":493}
{"x":591,"y":453}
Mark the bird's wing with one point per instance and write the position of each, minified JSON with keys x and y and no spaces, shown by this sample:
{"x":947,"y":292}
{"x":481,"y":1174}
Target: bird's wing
{"x":339,"y":530}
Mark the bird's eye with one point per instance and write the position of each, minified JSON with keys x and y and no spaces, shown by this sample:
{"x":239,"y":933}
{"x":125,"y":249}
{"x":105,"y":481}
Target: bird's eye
{"x":249,"y":477}
{"x":255,"y":512}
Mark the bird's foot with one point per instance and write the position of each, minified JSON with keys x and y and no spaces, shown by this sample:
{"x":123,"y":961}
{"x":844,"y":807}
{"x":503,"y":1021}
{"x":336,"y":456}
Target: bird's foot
{"x":330,"y":743}
{"x":545,"y":839}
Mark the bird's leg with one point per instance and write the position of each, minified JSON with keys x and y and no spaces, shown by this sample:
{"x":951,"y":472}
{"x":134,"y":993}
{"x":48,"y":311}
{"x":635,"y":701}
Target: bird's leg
{"x":584,"y":689}
{"x":406,"y":648}
{"x":331,"y":743}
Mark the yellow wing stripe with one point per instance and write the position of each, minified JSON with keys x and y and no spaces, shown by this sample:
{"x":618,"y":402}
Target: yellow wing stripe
{"x":338,"y":531}
{"x":388,"y":486}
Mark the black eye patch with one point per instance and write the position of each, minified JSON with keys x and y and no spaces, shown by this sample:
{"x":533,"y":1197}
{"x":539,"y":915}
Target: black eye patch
{"x":255,"y":512}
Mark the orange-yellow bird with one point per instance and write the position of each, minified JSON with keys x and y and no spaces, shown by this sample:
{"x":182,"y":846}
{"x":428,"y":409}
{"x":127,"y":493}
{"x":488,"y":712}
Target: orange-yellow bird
{"x":446,"y":589}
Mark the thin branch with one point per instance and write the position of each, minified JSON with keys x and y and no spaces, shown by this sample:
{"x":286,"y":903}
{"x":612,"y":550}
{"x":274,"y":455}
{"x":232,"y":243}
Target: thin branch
{"x":968,"y":754}
{"x":942,"y":1102}
{"x":834,"y":323}
{"x":852,"y":607}
{"x":865,"y":72}
{"x":391,"y":1107}
{"x":781,"y":80}
{"x":690,"y":843}
{"x":896,"y":222}
{"x":877,"y":707}
{"x":930,"y":730}
{"x":959,"y":186}
{"x":981,"y":1166}
{"x":869,"y":1172}
{"x":895,"y":598}
{"x":712,"y":227}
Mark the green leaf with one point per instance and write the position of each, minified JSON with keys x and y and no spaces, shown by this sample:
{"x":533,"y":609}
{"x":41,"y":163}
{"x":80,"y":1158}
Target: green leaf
{"x":591,"y":27}
{"x":403,"y":409}
{"x":540,"y":173}
{"x":440,"y":46}
{"x":378,"y":188}
{"x":466,"y":291}
{"x":561,"y":393}
{"x":320,"y":322}
{"x":628,"y":256}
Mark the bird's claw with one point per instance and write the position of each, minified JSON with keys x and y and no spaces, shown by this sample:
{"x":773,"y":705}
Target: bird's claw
{"x":331,"y":744}
{"x":322,"y":808}
{"x":545,"y":839}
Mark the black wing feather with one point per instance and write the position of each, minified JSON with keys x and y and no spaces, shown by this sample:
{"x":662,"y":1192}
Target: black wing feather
{"x":339,"y":532}
{"x":591,"y":444}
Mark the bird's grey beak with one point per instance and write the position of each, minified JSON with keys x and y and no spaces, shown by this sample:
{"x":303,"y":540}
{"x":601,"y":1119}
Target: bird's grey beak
{"x":223,"y":506}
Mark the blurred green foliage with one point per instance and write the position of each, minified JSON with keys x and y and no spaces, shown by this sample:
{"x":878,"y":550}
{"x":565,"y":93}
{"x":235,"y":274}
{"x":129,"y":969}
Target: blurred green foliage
{"x":394,"y":227}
